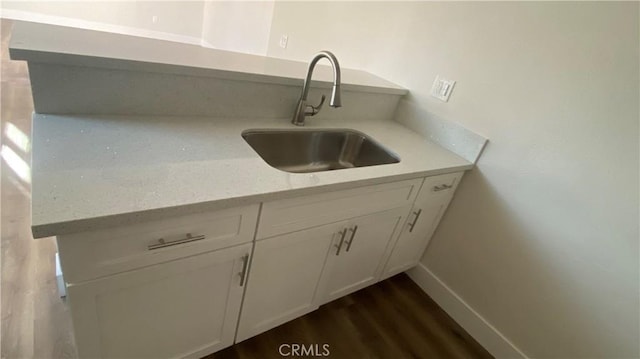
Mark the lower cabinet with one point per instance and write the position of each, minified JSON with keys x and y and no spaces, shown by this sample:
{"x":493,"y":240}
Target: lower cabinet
{"x":285,"y":272}
{"x":175,"y":288}
{"x":433,"y":200}
{"x":183,"y":308}
{"x":358,"y":260}
{"x":293,"y":274}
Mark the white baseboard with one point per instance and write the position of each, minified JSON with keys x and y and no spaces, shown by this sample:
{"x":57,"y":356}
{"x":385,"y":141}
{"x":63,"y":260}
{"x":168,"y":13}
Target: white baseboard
{"x":97,"y":26}
{"x":481,"y":330}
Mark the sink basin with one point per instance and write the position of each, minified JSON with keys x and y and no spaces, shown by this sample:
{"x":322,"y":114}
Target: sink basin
{"x":302,"y":151}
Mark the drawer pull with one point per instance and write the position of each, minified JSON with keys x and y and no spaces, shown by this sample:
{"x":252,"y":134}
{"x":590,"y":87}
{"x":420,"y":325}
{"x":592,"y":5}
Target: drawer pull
{"x":162,"y":243}
{"x":343,"y":233}
{"x":411,"y":225}
{"x":353,"y":234}
{"x":243,"y":274}
{"x":442,"y":187}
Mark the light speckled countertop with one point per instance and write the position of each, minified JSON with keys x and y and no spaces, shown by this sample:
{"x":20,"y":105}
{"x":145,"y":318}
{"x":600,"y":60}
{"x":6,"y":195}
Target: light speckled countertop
{"x":43,"y":43}
{"x":92,"y":172}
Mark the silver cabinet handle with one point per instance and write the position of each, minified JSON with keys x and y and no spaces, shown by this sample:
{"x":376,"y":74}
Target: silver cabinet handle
{"x":411,"y":225}
{"x":353,"y":234}
{"x":162,"y":243}
{"x":243,"y":274}
{"x":339,"y":245}
{"x":441,"y":187}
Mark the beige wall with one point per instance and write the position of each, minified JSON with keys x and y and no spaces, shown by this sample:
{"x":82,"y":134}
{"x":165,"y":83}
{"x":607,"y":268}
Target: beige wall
{"x":542,"y":237}
{"x":241,"y":26}
{"x":182,"y":18}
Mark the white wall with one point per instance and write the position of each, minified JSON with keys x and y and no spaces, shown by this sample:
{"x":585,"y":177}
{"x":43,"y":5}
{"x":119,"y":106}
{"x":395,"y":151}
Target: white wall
{"x":542,"y":237}
{"x":180,"y":20}
{"x":241,"y":26}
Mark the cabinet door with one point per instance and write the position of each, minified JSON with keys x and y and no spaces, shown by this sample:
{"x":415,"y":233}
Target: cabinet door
{"x":284,"y":276}
{"x":434,"y":197}
{"x":183,"y":308}
{"x":359,"y":261}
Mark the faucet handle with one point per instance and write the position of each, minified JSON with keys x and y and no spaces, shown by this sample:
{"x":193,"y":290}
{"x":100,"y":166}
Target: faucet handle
{"x":313,"y":110}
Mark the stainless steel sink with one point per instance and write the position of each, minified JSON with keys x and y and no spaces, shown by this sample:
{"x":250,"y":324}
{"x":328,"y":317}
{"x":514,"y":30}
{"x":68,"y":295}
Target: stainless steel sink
{"x":302,"y":151}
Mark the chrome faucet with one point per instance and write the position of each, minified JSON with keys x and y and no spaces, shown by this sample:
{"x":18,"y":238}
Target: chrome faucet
{"x":303,"y":110}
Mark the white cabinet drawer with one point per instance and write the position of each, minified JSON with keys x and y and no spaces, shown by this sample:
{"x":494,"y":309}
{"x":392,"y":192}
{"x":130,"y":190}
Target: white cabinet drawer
{"x":299,"y":213}
{"x":95,"y":254}
{"x":441,"y":186}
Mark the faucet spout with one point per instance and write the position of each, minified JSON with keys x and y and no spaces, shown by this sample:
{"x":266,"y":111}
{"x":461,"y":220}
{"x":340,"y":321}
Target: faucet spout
{"x":336,"y":98}
{"x":303,"y":110}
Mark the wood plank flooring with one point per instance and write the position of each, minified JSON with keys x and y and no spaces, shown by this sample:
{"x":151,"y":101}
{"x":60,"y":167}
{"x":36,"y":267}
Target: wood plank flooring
{"x":393,"y":319}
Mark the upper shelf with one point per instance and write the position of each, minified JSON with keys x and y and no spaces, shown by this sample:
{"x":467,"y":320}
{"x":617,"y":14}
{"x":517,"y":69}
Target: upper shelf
{"x":72,"y":46}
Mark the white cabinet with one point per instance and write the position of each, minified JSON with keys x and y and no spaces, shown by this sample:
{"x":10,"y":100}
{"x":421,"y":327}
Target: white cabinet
{"x":183,"y":308}
{"x":174,"y":288}
{"x":292,"y":274}
{"x":430,"y":205}
{"x":162,"y":289}
{"x":313,"y":249}
{"x":284,"y":275}
{"x":356,"y":260}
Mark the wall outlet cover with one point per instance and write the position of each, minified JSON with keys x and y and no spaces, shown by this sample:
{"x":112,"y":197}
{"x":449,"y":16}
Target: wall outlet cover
{"x":442,"y":88}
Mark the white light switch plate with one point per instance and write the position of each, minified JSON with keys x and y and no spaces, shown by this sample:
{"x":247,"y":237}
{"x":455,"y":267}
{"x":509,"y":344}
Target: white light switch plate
{"x":442,"y":88}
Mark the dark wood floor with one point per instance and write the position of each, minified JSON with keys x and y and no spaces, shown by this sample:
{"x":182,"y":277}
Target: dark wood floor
{"x":393,"y":319}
